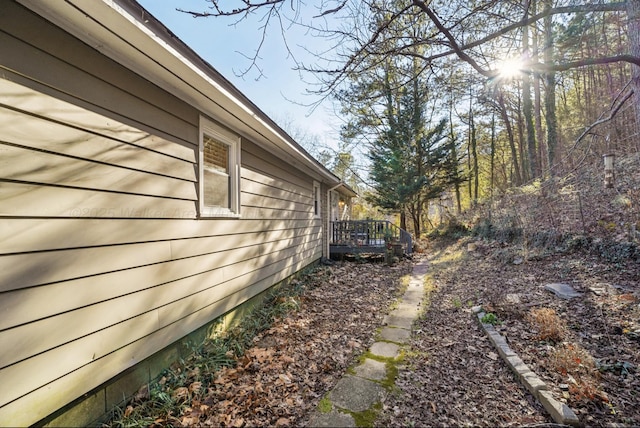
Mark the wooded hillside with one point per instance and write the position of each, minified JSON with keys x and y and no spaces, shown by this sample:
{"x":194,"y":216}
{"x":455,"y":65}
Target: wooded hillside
{"x":449,"y":105}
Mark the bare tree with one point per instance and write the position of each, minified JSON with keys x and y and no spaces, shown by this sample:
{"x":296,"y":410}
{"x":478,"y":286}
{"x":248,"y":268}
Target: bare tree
{"x":363,"y":34}
{"x":361,"y":28}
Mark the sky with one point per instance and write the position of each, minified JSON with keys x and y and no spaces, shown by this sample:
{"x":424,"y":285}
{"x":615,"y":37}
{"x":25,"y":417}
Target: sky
{"x":224,"y":46}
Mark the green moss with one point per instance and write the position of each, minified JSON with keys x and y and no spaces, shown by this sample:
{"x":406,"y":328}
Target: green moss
{"x":325,"y":406}
{"x":410,"y":357}
{"x":370,"y":356}
{"x":368,"y":417}
{"x":392,"y":374}
{"x":404,"y":284}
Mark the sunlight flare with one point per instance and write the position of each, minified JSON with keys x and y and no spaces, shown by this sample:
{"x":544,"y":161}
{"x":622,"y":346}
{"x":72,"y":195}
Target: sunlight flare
{"x":510,"y":68}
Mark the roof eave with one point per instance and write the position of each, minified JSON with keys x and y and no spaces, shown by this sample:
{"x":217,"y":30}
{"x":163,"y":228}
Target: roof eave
{"x":125,"y":32}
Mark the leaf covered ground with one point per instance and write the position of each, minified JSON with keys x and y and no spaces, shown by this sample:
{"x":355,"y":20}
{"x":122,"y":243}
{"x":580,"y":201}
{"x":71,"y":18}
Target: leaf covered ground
{"x":586,"y":349}
{"x":283,"y":371}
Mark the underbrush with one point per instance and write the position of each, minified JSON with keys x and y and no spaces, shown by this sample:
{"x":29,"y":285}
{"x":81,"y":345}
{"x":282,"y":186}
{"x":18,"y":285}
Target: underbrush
{"x":449,"y":231}
{"x":185,"y":381}
{"x":547,"y":323}
{"x":549,"y":241}
{"x":570,"y":360}
{"x":547,"y":331}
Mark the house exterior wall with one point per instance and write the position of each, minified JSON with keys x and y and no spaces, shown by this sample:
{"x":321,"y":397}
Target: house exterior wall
{"x":103,"y":258}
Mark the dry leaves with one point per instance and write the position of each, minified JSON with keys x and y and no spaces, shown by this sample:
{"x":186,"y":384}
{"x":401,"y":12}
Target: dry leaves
{"x":461,"y":384}
{"x":299,"y":358}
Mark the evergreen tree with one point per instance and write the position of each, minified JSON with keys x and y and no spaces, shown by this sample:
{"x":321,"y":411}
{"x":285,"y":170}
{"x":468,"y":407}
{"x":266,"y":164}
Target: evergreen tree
{"x":409,"y":160}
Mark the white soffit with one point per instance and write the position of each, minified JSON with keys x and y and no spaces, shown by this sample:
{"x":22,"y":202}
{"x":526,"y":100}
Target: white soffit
{"x":107,"y":27}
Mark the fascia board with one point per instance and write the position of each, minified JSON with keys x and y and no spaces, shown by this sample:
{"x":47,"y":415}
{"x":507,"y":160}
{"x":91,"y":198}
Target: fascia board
{"x":347,"y":190}
{"x":109,"y":27}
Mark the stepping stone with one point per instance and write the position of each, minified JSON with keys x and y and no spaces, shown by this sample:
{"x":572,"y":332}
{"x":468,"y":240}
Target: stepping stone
{"x":397,"y":321}
{"x":513,"y":298}
{"x":405,"y":309}
{"x":420,"y":269}
{"x":372,"y":369}
{"x":413,"y":297}
{"x":385,"y":349}
{"x":564,"y":291}
{"x":356,"y":394}
{"x":332,"y":419}
{"x":599,"y":289}
{"x":398,"y":335}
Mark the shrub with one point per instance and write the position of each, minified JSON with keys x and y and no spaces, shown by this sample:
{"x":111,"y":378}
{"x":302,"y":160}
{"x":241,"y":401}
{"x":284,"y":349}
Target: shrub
{"x":452,"y":229}
{"x":575,"y":362}
{"x":578,"y":242}
{"x":490,"y":318}
{"x":548,"y":324}
{"x":483,"y":229}
{"x":618,"y":252}
{"x":572,"y":359}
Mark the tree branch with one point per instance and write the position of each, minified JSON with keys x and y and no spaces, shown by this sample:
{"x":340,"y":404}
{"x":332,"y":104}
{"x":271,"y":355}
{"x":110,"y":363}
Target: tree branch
{"x":334,"y":10}
{"x":248,"y":7}
{"x":615,"y":108}
{"x":452,"y":42}
{"x":608,"y":7}
{"x":540,"y":67}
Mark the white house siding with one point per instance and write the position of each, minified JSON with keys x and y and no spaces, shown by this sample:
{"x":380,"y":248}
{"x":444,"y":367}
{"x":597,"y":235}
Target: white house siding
{"x":103,"y":260}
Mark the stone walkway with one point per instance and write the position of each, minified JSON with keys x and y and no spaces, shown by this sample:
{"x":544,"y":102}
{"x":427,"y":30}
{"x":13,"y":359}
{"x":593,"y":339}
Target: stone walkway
{"x":357,"y":395}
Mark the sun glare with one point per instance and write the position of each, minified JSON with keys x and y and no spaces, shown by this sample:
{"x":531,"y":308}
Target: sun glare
{"x":510,"y":68}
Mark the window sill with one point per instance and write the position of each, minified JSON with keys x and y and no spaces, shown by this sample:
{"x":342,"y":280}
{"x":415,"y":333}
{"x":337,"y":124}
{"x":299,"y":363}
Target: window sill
{"x":218,"y":213}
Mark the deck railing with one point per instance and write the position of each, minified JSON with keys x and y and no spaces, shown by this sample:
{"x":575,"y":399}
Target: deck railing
{"x":367,"y":235}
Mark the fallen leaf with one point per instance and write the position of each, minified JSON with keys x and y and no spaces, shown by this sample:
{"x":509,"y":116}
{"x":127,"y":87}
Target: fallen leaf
{"x":284,"y":378}
{"x":287,"y":359}
{"x":143,"y":393}
{"x":282,"y":422}
{"x":128,"y":411}
{"x":180,"y":394}
{"x":188,"y":421}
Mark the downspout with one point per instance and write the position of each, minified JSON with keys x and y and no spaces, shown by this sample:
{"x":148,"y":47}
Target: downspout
{"x":327,"y":247}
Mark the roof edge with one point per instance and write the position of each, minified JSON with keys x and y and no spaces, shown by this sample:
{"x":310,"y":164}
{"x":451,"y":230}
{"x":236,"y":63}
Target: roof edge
{"x":157,"y":42}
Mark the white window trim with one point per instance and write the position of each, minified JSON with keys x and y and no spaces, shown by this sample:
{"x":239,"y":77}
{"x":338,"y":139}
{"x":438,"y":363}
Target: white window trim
{"x":223,"y":136}
{"x":317,"y":200}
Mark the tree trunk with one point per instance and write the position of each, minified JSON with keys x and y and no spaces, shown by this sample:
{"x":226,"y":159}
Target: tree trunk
{"x":537,"y":103}
{"x":417,"y":217}
{"x":492,"y":165}
{"x":454,"y":160}
{"x":633,"y":30}
{"x":469,"y":169}
{"x":527,"y":108}
{"x":517,"y":177}
{"x":550,"y":92}
{"x":474,"y":151}
{"x":473,"y":157}
{"x":522,"y":150}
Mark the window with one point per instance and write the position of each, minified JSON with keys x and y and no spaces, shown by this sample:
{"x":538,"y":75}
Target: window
{"x":317,"y":209}
{"x":219,"y":171}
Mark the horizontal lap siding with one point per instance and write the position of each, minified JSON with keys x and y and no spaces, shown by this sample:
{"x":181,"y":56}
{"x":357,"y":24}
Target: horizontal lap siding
{"x":103,"y":260}
{"x":37,"y":234}
{"x":99,"y":367}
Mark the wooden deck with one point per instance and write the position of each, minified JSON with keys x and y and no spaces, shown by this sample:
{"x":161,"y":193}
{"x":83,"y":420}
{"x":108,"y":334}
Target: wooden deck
{"x":367,"y":236}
